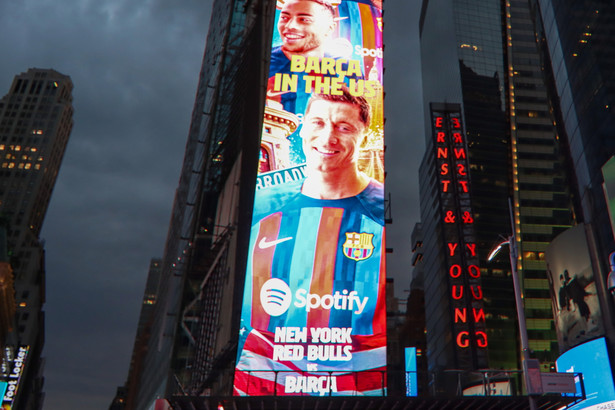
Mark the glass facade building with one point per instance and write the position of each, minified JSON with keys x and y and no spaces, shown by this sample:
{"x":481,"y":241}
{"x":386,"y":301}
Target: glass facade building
{"x":195,"y":319}
{"x":577,"y":39}
{"x":484,"y":56}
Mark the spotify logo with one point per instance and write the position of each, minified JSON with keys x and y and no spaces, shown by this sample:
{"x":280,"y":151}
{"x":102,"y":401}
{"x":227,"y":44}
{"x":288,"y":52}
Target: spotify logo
{"x":275,"y":297}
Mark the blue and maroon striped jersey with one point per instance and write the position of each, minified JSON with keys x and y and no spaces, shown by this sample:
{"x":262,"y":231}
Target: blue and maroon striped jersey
{"x":314,"y":295}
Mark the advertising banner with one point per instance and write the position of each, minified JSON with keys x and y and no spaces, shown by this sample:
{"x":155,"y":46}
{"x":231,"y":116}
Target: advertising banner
{"x":16,"y":363}
{"x":592,"y":360}
{"x":313,"y":319}
{"x":573,"y":288}
{"x":411,"y":376}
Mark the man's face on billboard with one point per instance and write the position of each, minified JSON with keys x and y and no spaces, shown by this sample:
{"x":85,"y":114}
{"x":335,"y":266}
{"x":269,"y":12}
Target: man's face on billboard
{"x":304,"y":26}
{"x":332,"y":132}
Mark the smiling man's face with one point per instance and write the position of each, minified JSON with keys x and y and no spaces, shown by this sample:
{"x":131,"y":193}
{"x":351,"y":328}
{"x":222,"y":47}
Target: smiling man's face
{"x":304,"y":26}
{"x":332,"y":132}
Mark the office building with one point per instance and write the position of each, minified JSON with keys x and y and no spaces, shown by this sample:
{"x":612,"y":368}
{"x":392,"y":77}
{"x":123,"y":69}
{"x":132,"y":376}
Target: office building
{"x":35,"y":124}
{"x":577,"y":42}
{"x":485,"y":58}
{"x":139,"y":350}
{"x":195,"y":318}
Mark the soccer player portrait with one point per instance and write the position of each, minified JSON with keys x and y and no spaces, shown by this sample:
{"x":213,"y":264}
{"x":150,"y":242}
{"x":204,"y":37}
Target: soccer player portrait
{"x":314,"y":302}
{"x":304,"y":27}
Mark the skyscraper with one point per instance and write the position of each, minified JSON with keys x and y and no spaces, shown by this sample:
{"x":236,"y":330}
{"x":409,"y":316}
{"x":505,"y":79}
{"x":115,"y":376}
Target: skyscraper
{"x":35,"y":124}
{"x":196,"y":313}
{"x":199,"y":332}
{"x":577,"y":40}
{"x":485,"y":57}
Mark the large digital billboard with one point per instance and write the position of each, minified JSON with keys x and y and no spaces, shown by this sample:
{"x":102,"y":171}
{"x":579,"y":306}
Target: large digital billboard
{"x":313,"y":319}
{"x":592,"y":360}
{"x":574,"y":298}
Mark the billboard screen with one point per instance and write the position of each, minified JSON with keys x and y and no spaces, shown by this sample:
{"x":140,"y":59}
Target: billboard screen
{"x":574,"y":299}
{"x":591,"y":359}
{"x":411,"y":376}
{"x":313,"y":319}
{"x":16,"y":363}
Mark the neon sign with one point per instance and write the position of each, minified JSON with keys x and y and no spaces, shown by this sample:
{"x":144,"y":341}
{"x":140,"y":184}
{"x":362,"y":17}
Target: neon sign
{"x":464,"y":276}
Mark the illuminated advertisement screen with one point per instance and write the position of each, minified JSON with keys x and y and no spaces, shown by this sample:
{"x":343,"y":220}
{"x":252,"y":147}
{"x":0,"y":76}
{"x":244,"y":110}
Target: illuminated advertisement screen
{"x":411,"y":377}
{"x":313,"y":319}
{"x":574,"y":298}
{"x":591,"y":359}
{"x":17,"y":363}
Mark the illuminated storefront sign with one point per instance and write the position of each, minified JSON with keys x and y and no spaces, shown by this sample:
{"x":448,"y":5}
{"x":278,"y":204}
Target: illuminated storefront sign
{"x":313,"y":318}
{"x":16,"y":365}
{"x":464,"y":276}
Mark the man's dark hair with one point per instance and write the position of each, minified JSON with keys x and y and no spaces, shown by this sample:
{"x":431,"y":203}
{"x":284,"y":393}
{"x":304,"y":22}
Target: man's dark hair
{"x":346,"y":97}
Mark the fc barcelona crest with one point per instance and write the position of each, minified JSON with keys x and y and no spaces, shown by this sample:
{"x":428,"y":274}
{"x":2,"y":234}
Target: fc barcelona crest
{"x":358,"y":245}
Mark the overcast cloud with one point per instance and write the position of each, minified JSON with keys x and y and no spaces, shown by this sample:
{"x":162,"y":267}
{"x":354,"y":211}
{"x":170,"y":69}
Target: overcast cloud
{"x":135,"y":65}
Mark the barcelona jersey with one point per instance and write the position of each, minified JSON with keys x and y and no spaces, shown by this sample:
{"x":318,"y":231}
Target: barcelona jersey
{"x":314,"y":294}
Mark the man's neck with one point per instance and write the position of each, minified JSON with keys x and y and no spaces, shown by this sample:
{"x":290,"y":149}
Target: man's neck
{"x":320,"y":186}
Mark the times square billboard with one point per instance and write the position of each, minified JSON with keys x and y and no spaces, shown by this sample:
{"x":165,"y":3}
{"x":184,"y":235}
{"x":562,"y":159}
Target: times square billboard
{"x":313,"y":318}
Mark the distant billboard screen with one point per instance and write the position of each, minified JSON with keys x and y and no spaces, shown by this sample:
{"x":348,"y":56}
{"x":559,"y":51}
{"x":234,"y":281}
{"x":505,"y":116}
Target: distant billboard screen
{"x":17,"y":361}
{"x":576,"y":309}
{"x":313,"y":319}
{"x":411,"y":376}
{"x":592,"y":360}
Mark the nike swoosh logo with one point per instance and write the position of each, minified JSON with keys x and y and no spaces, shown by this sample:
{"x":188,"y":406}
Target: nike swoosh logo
{"x":264,"y":244}
{"x":275,"y":93}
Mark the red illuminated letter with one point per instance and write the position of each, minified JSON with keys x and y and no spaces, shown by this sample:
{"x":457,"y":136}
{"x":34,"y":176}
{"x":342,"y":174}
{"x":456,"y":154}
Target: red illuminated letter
{"x":460,"y":153}
{"x":455,"y":271}
{"x":461,"y":170}
{"x":481,"y":339}
{"x":478,"y":315}
{"x":439,"y":122}
{"x":472,"y":248}
{"x":455,"y":295}
{"x":451,"y":248}
{"x":442,"y":152}
{"x":457,"y":138}
{"x":444,"y":169}
{"x":445,"y":185}
{"x":461,"y":315}
{"x":456,"y":123}
{"x":464,"y":185}
{"x":474,"y":271}
{"x":478,"y":294}
{"x":440,"y":137}
{"x":462,"y":339}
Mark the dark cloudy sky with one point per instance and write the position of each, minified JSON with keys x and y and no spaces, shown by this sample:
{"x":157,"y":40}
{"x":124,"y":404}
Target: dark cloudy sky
{"x":134,"y":64}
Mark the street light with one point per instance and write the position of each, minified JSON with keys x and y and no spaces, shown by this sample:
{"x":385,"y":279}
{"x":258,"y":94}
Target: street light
{"x":512,"y":248}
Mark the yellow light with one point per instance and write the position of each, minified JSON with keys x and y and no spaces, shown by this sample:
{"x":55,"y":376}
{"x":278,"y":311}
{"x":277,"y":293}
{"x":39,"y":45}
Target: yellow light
{"x":23,"y":304}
